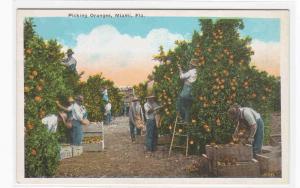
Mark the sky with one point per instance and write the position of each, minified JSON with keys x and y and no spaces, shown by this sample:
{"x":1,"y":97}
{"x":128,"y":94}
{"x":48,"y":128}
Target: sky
{"x":122,"y":49}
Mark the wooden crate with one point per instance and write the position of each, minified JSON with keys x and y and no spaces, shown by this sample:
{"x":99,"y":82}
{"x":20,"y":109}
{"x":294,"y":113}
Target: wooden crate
{"x":77,"y":150}
{"x":94,"y":130}
{"x":270,"y":160}
{"x":238,"y":151}
{"x":240,"y":169}
{"x":93,"y":127}
{"x":65,"y":151}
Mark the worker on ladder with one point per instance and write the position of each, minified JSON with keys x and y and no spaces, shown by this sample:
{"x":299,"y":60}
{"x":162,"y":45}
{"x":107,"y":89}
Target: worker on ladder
{"x":185,"y":98}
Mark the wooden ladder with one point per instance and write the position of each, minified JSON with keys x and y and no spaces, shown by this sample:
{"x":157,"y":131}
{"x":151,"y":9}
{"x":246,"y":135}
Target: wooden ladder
{"x":186,"y":147}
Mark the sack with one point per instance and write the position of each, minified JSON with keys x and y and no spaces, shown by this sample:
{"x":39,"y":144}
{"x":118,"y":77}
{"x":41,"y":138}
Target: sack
{"x":85,"y":122}
{"x":139,"y":123}
{"x":158,"y":120}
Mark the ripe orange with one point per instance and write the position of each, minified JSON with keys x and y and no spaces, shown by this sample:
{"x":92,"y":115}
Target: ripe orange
{"x":180,"y":130}
{"x":29,"y":126}
{"x":39,"y":88}
{"x":26,"y":89}
{"x":38,"y":99}
{"x":29,"y":51}
{"x":31,"y":77}
{"x":33,"y":152}
{"x":34,"y":73}
{"x":191,"y":142}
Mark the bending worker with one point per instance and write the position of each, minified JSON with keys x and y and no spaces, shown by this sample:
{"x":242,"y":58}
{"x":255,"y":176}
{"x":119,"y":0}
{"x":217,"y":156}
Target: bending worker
{"x":253,"y":121}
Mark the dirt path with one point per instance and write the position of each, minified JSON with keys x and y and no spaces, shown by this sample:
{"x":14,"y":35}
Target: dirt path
{"x":122,"y":158}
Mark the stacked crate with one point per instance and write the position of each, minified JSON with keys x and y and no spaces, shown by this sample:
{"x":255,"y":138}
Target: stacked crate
{"x":65,"y":151}
{"x":232,"y":160}
{"x":93,"y":139}
{"x":77,"y":150}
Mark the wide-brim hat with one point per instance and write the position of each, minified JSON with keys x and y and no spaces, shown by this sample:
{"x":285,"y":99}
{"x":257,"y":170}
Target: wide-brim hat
{"x":70,"y":51}
{"x":194,"y":62}
{"x":70,"y":99}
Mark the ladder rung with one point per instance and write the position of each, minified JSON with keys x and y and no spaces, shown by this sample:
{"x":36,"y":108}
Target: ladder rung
{"x":181,"y":123}
{"x":179,"y":146}
{"x":176,"y":134}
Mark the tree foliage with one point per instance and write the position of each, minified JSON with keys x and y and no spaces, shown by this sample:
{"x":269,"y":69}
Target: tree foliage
{"x":225,"y":77}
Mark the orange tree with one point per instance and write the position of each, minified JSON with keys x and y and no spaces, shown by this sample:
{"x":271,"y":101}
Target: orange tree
{"x":225,"y":77}
{"x":91,"y":90}
{"x":44,"y":83}
{"x":140,"y":90}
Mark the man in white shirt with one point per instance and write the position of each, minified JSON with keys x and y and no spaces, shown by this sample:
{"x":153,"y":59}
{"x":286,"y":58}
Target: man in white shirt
{"x":79,"y":116}
{"x":185,"y":97}
{"x":108,"y":112}
{"x":70,"y":62}
{"x":151,"y":108}
{"x":253,"y":122}
{"x":51,"y":121}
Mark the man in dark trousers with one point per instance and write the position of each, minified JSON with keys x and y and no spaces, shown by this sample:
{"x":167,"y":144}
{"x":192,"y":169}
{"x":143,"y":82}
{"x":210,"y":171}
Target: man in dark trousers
{"x":185,"y":98}
{"x":253,"y":122}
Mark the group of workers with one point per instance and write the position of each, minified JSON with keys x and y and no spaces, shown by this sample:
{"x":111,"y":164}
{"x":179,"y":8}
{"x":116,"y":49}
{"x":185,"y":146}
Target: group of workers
{"x":240,"y":115}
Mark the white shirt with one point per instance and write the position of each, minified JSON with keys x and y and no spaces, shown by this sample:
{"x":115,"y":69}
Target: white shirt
{"x":107,"y":107}
{"x":51,"y":122}
{"x":250,"y":115}
{"x":189,"y":77}
{"x":105,"y":92}
{"x":147,"y":107}
{"x":70,"y":61}
{"x":78,"y":111}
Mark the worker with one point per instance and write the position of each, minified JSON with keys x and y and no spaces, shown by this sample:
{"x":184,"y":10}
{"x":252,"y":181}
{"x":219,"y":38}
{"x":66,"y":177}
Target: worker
{"x":151,"y":108}
{"x":52,"y":120}
{"x":136,"y":118}
{"x":70,"y":62}
{"x":253,"y":122}
{"x":185,"y":97}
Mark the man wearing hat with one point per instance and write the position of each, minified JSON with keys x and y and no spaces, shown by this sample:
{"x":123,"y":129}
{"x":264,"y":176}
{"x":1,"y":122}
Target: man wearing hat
{"x":107,"y":112}
{"x":79,"y":118}
{"x":52,"y":120}
{"x":151,"y":108}
{"x":185,"y":97}
{"x":136,"y":118}
{"x":253,"y":122}
{"x":70,"y":62}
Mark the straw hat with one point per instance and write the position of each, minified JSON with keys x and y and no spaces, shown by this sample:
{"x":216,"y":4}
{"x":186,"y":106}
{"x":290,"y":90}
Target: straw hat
{"x":70,"y":99}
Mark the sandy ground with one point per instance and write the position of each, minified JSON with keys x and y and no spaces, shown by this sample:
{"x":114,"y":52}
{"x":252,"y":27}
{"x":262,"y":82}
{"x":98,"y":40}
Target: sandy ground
{"x":122,"y":158}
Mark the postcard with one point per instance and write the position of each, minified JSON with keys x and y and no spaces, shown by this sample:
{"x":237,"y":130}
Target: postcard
{"x":152,"y":96}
